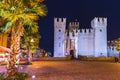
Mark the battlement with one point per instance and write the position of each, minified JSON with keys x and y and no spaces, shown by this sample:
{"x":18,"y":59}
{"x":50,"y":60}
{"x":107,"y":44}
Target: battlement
{"x":85,"y":31}
{"x":75,"y":32}
{"x":99,"y":22}
{"x":60,"y":22}
{"x":57,"y":20}
{"x":74,"y":24}
{"x":111,"y":43}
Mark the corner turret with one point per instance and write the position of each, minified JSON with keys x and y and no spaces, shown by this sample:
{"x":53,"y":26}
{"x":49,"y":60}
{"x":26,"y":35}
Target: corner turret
{"x":59,"y":37}
{"x":100,"y":29}
{"x":99,"y":22}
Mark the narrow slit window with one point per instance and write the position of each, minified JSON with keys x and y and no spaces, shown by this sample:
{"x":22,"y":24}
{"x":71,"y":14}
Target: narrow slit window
{"x":59,"y":30}
{"x":100,"y":30}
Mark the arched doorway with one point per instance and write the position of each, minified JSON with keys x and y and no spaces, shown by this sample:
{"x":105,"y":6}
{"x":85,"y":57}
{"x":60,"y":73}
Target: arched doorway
{"x":72,"y":54}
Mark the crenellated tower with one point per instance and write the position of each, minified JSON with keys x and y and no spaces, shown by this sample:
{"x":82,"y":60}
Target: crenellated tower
{"x":74,"y":25}
{"x":100,"y":36}
{"x":72,"y":39}
{"x":59,"y":37}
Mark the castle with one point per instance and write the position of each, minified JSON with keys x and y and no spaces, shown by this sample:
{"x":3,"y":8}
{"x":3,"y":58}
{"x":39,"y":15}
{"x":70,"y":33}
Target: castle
{"x":74,"y":41}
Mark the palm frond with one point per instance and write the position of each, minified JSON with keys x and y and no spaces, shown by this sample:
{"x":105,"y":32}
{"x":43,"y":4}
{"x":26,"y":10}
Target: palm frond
{"x":6,"y":26}
{"x":27,"y":11}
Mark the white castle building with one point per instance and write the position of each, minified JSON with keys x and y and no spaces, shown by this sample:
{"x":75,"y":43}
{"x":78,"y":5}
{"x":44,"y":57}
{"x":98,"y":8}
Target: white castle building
{"x":74,"y":41}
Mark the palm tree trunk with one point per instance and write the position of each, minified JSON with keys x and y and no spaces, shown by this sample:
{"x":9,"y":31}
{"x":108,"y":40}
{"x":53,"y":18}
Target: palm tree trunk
{"x":11,"y":66}
{"x":29,"y":55}
{"x":16,"y":32}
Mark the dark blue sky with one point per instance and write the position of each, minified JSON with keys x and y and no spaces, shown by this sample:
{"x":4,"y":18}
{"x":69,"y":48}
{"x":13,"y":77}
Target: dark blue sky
{"x":82,"y":10}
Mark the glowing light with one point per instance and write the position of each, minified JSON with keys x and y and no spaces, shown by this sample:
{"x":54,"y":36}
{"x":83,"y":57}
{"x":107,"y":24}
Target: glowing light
{"x":31,"y":40}
{"x":33,"y":76}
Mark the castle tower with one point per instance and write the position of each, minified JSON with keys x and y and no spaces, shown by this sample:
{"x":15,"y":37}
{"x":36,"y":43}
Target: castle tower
{"x":74,"y":25}
{"x":100,"y":37}
{"x":59,"y":37}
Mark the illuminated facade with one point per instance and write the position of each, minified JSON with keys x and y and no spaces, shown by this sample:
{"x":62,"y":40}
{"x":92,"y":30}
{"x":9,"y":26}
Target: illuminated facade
{"x":74,"y":41}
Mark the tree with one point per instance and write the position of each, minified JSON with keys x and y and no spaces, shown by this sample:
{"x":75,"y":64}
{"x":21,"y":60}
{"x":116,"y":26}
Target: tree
{"x":18,"y":13}
{"x":117,"y":44}
{"x":30,"y":41}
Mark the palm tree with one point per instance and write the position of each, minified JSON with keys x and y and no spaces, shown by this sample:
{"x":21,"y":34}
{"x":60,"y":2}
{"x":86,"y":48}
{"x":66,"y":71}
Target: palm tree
{"x":18,"y":13}
{"x":30,"y":41}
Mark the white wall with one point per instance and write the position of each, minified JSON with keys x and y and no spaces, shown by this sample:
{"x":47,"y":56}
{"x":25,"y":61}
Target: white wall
{"x":59,"y":37}
{"x":85,"y":43}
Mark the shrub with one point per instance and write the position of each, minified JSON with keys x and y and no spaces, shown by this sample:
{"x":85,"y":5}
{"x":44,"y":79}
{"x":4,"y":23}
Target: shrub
{"x":101,"y":58}
{"x":82,"y":57}
{"x":18,"y":76}
{"x":1,"y":76}
{"x":69,"y":57}
{"x":25,"y":63}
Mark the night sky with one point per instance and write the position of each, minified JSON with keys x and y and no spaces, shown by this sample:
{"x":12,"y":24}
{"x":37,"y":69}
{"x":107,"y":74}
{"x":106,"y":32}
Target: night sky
{"x":82,"y":10}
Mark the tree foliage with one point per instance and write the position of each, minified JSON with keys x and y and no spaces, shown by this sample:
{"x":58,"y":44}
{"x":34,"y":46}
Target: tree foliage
{"x":117,"y":44}
{"x":25,"y":10}
{"x":30,"y":38}
{"x":16,"y":15}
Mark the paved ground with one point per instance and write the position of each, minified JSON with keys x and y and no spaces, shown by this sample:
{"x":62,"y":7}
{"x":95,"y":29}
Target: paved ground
{"x":72,"y":70}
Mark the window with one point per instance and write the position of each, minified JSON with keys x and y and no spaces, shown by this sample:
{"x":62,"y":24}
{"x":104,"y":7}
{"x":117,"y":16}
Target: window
{"x":59,"y":30}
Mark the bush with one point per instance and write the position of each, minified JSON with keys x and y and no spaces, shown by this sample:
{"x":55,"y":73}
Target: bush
{"x":101,"y":58}
{"x":18,"y":76}
{"x":25,"y":63}
{"x":1,"y":76}
{"x":82,"y":57}
{"x":69,"y":57}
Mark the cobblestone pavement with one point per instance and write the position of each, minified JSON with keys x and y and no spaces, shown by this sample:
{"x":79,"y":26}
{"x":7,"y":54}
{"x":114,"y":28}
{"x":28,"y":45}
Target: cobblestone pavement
{"x":72,"y":70}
